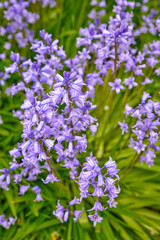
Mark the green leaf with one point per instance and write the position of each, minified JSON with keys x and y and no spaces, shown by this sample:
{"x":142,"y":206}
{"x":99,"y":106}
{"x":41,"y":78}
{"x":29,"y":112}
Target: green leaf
{"x":69,"y":228}
{"x":11,"y":204}
{"x":3,"y":132}
{"x":107,"y":230}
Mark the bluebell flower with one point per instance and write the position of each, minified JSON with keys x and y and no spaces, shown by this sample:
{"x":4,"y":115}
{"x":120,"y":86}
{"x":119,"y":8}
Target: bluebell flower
{"x":95,"y":218}
{"x":77,"y":215}
{"x":116,"y":85}
{"x":59,"y":212}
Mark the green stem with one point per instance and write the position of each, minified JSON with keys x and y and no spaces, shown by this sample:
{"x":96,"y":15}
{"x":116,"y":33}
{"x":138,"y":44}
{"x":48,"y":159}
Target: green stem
{"x":105,"y":125}
{"x":115,"y":60}
{"x":102,"y":95}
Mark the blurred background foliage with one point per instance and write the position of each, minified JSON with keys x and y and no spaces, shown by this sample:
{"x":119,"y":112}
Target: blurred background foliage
{"x":137,"y":215}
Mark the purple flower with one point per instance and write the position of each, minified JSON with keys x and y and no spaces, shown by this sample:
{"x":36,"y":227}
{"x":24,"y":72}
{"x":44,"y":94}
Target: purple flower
{"x":111,"y":203}
{"x":130,"y":82}
{"x":148,"y":158}
{"x":95,"y":218}
{"x":123,"y":126}
{"x":66,"y":214}
{"x":7,"y":223}
{"x":147,"y":81}
{"x":77,"y":215}
{"x":116,"y":85}
{"x":50,"y":178}
{"x":110,"y":164}
{"x":144,"y":129}
{"x":37,"y":190}
{"x":59,"y":212}
{"x":98,"y":192}
{"x":1,"y":121}
{"x":49,"y":143}
{"x":5,"y":178}
{"x":97,"y":207}
{"x":74,"y":201}
{"x":23,"y":189}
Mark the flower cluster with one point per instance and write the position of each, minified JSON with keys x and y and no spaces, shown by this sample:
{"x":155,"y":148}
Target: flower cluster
{"x":18,"y":20}
{"x":36,"y":75}
{"x":96,"y":182}
{"x":145,"y":130}
{"x":111,"y":47}
{"x":55,"y":122}
{"x":56,"y":112}
{"x":7,"y":223}
{"x":149,"y":23}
